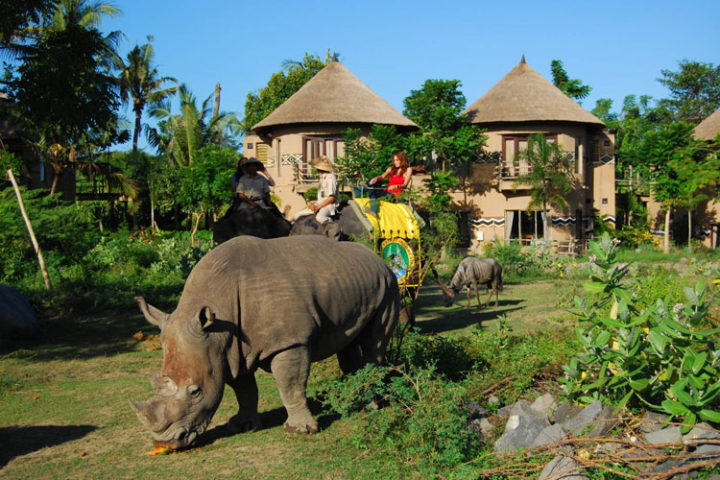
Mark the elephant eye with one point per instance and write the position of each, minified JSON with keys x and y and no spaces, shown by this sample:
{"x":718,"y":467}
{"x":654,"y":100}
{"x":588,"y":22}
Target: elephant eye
{"x":194,"y":390}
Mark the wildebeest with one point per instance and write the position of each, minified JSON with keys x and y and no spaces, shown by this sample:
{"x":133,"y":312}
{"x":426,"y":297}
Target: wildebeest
{"x":274,"y":304}
{"x":474,"y":271}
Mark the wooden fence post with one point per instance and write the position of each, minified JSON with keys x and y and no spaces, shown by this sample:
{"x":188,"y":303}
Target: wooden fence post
{"x":41,"y":260}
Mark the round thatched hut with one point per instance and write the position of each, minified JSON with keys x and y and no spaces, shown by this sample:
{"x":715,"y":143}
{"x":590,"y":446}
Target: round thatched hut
{"x":522,"y":103}
{"x":311,"y":123}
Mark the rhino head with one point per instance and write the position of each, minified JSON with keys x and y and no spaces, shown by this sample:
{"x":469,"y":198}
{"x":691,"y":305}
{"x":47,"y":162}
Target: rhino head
{"x":190,"y":386}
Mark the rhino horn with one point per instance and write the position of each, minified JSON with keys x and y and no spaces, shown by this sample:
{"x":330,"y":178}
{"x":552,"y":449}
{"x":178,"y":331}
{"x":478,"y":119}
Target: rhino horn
{"x":152,"y":314}
{"x":152,"y":418}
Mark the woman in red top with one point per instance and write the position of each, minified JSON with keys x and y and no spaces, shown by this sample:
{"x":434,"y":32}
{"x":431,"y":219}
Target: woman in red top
{"x":399,"y":175}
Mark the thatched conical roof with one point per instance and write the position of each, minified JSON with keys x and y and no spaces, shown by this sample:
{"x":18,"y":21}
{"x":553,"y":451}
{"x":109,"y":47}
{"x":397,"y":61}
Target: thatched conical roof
{"x":334,"y":95}
{"x":708,"y":128}
{"x":523,"y":95}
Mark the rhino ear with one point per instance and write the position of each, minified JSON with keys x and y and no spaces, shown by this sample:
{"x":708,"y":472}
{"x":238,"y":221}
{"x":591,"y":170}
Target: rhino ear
{"x":207,"y":318}
{"x":152,"y":314}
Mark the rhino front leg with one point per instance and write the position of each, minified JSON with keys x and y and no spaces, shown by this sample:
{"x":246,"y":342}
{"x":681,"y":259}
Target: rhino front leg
{"x":291,"y":369}
{"x":246,"y":392}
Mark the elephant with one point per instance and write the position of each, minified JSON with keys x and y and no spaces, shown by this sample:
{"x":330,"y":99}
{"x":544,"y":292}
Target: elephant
{"x":278,"y":305}
{"x":261,"y":223}
{"x":350,"y":222}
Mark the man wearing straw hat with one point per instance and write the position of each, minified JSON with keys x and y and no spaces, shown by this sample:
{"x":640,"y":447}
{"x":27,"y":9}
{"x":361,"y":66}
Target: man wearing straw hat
{"x":253,"y":189}
{"x":327,"y":195}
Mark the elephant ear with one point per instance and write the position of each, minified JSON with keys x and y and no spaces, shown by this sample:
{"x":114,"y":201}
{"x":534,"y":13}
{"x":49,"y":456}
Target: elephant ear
{"x":153,"y":315}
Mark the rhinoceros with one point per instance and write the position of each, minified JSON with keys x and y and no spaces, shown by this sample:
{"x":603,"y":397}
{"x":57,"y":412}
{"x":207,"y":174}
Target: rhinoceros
{"x":275,"y":304}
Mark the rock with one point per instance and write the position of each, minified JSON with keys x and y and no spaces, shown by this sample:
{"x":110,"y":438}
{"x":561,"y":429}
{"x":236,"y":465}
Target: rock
{"x":701,"y":431}
{"x":565,"y":411}
{"x":506,"y":411}
{"x":544,"y":404}
{"x":562,"y":468}
{"x":476,"y":410}
{"x":606,"y":421}
{"x":665,"y":435}
{"x":493,"y":400}
{"x":651,"y":421}
{"x":551,"y":434}
{"x":523,"y":425}
{"x":583,"y":419}
{"x":708,"y":450}
{"x":17,"y":318}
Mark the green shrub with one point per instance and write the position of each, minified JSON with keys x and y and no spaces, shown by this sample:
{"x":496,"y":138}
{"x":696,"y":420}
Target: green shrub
{"x":448,"y":356}
{"x":639,"y":353}
{"x":423,"y":420}
{"x":65,"y":232}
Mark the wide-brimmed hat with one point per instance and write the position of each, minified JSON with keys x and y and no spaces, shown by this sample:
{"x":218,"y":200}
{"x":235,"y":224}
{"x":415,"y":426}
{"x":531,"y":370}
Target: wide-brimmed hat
{"x":322,"y":164}
{"x":245,"y":161}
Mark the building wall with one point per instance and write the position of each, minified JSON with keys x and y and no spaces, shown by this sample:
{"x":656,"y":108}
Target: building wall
{"x":287,"y":152}
{"x":491,"y":197}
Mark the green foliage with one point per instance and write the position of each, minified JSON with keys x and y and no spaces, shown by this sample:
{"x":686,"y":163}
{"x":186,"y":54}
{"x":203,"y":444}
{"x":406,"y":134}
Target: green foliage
{"x":424,"y":419}
{"x":66,"y":66}
{"x":8,"y":161}
{"x":637,"y":354}
{"x":447,"y":356}
{"x":65,"y":231}
{"x":140,"y":83}
{"x":366,"y":157}
{"x":694,"y":90}
{"x":181,"y":135}
{"x":281,"y":86}
{"x":436,"y":108}
{"x":310,"y":194}
{"x":573,"y":88}
{"x":203,"y":185}
{"x":550,"y":176}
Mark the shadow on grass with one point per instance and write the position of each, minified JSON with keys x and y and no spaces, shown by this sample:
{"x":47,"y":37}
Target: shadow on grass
{"x":16,"y":441}
{"x":457,"y":318}
{"x":81,"y":337}
{"x":270,"y":419}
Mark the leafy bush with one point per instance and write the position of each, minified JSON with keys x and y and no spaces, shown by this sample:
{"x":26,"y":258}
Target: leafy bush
{"x":423,"y":418}
{"x":447,"y":356}
{"x":65,"y":232}
{"x":636,"y":355}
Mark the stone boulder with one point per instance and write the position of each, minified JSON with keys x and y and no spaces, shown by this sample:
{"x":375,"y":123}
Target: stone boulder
{"x":17,"y":318}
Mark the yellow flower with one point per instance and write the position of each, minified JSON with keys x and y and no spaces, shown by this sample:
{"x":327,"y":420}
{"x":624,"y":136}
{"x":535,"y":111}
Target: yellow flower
{"x":615,"y":345}
{"x":583,"y":375}
{"x":646,"y":329}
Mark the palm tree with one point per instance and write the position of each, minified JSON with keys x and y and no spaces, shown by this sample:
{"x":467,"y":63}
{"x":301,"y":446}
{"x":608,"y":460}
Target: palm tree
{"x":180,"y":136}
{"x":141,"y":84}
{"x":550,"y":176}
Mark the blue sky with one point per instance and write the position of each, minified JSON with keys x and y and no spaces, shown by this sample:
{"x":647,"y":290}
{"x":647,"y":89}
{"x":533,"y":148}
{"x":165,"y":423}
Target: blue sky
{"x":616,"y":47}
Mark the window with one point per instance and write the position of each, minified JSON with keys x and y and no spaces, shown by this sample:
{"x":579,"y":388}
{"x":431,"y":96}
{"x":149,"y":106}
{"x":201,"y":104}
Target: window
{"x":511,"y":145}
{"x":261,"y":152}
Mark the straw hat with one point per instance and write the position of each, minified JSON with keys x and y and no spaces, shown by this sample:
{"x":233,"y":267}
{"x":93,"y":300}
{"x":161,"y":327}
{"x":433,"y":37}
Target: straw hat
{"x":322,"y":164}
{"x":244,"y":162}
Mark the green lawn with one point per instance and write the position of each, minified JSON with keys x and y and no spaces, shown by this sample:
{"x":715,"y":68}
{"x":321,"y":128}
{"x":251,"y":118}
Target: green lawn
{"x":64,"y":409}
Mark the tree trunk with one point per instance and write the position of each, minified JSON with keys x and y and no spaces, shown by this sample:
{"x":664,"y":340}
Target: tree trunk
{"x":666,"y":239}
{"x":689,"y":230}
{"x":36,"y":245}
{"x":152,"y":215}
{"x":197,"y":216}
{"x":217,"y":100}
{"x":136,"y":133}
{"x":53,"y":187}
